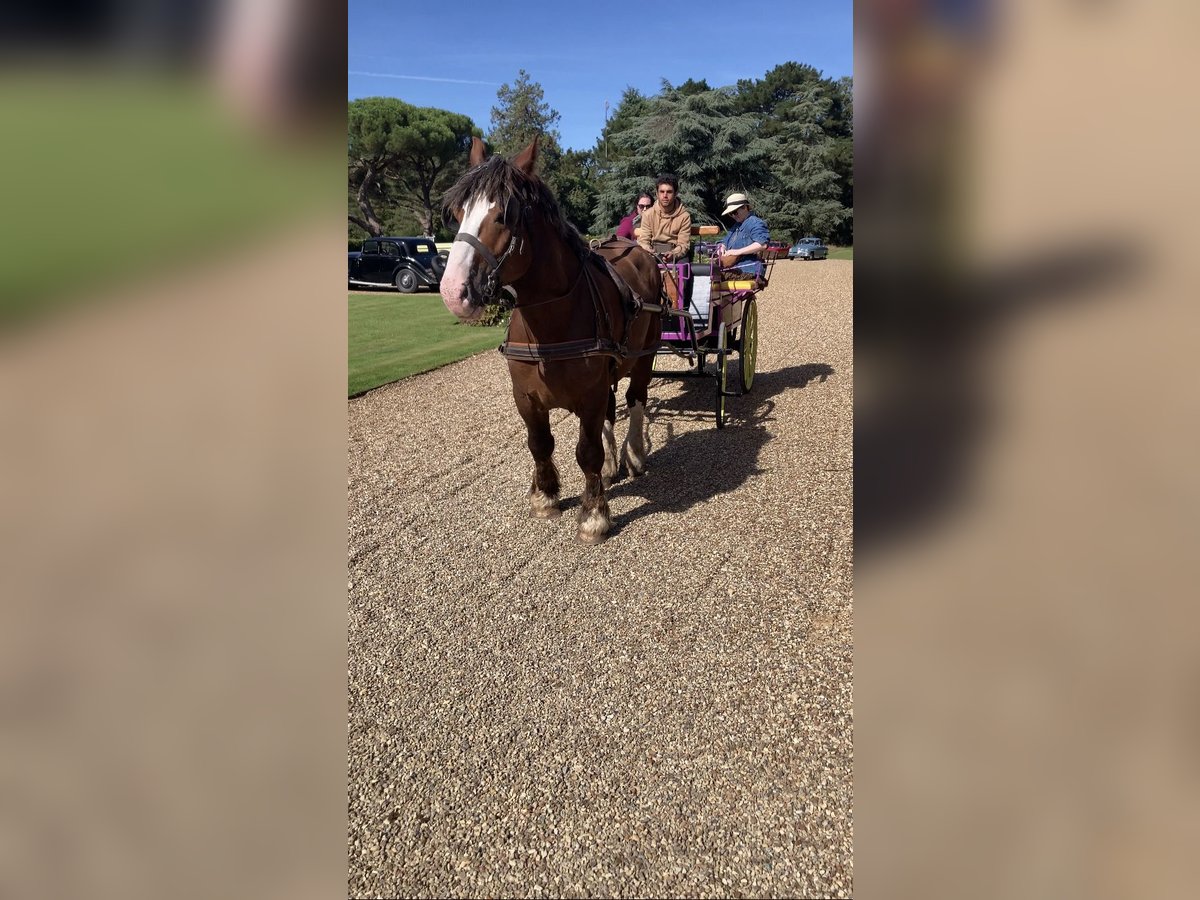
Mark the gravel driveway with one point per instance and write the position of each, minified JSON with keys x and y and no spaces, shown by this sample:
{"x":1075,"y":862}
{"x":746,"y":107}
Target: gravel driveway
{"x":666,"y":714}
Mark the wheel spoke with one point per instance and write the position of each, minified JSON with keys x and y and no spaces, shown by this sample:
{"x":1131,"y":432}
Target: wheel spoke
{"x":722,"y":372}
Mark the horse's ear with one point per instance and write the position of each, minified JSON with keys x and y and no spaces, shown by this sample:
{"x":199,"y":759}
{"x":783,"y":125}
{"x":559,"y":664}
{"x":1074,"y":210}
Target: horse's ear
{"x":478,"y":152}
{"x":527,"y":157}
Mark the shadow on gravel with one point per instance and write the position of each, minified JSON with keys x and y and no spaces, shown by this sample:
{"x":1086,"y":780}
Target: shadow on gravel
{"x":688,"y":468}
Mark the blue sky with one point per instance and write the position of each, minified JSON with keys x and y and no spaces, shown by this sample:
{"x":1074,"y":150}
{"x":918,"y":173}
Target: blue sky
{"x":456,"y":55}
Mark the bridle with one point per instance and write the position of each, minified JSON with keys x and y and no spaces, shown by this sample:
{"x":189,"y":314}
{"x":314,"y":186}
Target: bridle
{"x":491,"y":286}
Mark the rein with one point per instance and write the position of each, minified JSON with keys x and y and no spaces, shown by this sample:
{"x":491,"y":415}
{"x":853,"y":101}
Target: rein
{"x":579,"y":348}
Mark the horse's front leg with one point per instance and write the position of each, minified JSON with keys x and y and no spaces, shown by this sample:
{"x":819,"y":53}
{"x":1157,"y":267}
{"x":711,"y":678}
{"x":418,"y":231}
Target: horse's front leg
{"x":594,"y":518}
{"x":543,"y":492}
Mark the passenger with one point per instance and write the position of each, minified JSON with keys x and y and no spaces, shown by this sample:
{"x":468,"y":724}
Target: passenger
{"x":742,"y":244}
{"x":666,"y":229}
{"x":628,"y":224}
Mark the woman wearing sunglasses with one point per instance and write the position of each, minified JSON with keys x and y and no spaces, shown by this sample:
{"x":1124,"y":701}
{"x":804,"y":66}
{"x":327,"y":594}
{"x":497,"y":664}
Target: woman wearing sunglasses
{"x":631,"y":221}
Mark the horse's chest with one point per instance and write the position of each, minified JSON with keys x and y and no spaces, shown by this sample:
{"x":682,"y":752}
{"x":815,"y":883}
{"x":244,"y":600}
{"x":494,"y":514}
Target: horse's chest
{"x":563,"y":384}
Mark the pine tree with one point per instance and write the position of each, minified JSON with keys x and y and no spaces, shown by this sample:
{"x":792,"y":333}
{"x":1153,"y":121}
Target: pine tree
{"x":803,"y":193}
{"x":701,"y":138}
{"x":522,"y":114}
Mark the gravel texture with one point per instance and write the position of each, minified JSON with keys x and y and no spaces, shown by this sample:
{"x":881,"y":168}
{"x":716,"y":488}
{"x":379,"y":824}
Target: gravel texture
{"x":666,"y":714}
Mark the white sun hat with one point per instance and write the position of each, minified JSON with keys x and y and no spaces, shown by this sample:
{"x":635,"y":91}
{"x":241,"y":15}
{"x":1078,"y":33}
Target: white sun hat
{"x":733,"y":201}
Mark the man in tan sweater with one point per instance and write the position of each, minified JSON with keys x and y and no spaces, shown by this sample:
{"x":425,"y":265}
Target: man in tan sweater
{"x":666,"y":229}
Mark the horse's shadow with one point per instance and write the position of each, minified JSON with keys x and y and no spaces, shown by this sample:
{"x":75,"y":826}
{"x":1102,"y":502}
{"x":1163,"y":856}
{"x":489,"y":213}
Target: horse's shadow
{"x":689,"y":467}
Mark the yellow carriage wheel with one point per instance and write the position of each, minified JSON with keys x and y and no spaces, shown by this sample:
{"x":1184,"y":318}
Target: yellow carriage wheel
{"x":748,"y":341}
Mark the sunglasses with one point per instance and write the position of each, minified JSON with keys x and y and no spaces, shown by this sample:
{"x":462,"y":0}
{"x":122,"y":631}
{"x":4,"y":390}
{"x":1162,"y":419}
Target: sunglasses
{"x":645,"y":205}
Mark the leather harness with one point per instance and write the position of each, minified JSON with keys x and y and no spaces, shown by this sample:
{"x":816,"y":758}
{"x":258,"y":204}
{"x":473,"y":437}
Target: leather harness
{"x":598,"y":344}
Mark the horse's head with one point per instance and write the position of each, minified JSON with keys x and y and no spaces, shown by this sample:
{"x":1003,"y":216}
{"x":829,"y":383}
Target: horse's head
{"x":492,"y":247}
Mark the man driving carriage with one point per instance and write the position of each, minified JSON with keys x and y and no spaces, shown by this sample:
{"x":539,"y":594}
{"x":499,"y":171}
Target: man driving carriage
{"x":666,"y":229}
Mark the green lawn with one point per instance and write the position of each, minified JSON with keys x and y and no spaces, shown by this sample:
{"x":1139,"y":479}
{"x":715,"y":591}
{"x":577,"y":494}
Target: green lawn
{"x":395,"y":335}
{"x":841,"y":253}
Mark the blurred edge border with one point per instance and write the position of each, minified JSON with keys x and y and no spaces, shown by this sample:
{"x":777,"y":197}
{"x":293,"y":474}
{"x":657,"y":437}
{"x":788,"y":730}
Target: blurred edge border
{"x":173,"y":379}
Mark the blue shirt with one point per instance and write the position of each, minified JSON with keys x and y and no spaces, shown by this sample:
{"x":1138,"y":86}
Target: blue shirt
{"x":743,"y":235}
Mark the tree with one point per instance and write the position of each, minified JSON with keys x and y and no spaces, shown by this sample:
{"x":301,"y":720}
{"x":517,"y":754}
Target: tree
{"x":430,"y":156}
{"x":810,"y":118}
{"x":401,"y":158}
{"x":633,"y":103}
{"x":804,"y":191}
{"x":371,"y":148}
{"x":786,"y":139}
{"x":575,"y":181}
{"x":522,"y":115}
{"x":778,"y":88}
{"x":842,"y":157}
{"x":691,"y":86}
{"x":701,"y":138}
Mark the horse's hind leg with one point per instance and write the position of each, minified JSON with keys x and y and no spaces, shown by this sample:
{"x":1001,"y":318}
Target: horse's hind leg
{"x":635,"y":400}
{"x":610,"y":441}
{"x":543,"y":492}
{"x":594,"y":517}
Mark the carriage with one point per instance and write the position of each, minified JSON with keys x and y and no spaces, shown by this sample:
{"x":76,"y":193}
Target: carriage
{"x":586,"y":317}
{"x":714,"y":313}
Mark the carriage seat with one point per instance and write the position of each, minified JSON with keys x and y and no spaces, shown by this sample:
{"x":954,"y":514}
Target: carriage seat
{"x":701,"y":299}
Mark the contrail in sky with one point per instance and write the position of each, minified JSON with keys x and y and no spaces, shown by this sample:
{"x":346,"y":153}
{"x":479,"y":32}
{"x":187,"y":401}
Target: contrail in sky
{"x":423,"y":78}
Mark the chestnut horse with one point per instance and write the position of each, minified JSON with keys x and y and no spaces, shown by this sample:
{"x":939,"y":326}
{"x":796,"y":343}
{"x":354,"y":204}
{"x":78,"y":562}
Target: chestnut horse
{"x":582,"y":321}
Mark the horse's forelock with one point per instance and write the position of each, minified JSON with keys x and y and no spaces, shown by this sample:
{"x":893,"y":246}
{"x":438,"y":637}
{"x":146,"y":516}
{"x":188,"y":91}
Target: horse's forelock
{"x":500,"y":181}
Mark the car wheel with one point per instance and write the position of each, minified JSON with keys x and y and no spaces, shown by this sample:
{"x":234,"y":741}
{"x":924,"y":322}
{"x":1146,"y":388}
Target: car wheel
{"x":438,"y":266}
{"x":406,"y":281}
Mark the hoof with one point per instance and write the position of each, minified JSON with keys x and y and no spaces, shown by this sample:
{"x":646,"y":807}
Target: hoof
{"x":593,"y":528}
{"x":591,"y":538}
{"x":543,"y":506}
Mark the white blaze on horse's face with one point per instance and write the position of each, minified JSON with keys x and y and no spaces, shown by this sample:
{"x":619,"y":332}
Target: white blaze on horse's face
{"x":457,"y":277}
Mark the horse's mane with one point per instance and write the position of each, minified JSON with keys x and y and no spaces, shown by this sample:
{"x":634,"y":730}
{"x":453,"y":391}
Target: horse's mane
{"x":500,"y":180}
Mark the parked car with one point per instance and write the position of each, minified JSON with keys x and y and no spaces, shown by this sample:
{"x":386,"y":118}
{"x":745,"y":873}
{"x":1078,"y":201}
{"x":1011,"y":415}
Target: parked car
{"x":405,"y":263}
{"x":808,"y":248}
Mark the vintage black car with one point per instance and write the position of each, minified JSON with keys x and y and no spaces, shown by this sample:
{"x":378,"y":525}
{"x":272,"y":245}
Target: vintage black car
{"x":405,"y":263}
